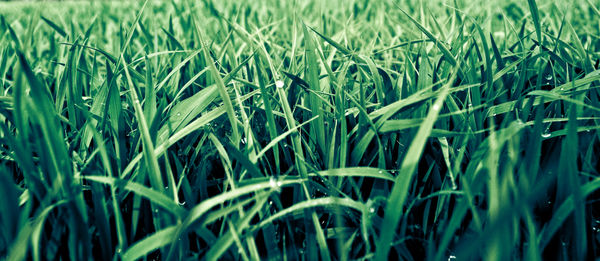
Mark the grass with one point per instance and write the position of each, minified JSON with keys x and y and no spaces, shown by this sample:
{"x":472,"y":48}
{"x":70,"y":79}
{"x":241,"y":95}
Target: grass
{"x":284,"y":130}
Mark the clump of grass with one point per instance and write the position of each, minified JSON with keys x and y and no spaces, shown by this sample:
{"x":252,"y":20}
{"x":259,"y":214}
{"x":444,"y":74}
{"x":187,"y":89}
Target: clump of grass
{"x":299,"y":130}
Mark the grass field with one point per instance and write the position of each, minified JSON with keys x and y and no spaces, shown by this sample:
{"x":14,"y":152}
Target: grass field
{"x":300,"y":130}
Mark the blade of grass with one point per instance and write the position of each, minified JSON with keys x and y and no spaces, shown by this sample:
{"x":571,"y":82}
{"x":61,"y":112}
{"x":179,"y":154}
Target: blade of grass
{"x":154,"y":196}
{"x":54,"y":26}
{"x":395,"y":204}
{"x":143,"y":247}
{"x":328,"y":202}
{"x":222,"y":89}
{"x":563,"y":212}
{"x":148,"y":147}
{"x":312,"y":72}
{"x":535,"y":16}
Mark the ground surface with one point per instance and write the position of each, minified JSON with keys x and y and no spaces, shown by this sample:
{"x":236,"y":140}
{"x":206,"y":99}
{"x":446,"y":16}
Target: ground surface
{"x":306,"y":130}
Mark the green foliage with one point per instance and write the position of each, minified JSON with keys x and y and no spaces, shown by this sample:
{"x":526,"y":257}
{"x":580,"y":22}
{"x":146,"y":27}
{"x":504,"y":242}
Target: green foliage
{"x":333,"y":130}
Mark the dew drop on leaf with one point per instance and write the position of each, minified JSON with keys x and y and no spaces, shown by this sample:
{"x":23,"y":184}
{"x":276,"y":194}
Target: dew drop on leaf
{"x":275,"y":184}
{"x":279,"y":84}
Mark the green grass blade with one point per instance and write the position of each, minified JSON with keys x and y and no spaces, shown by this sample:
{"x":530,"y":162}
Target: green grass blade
{"x":315,"y":105}
{"x":395,"y":206}
{"x":222,"y":89}
{"x":535,"y":16}
{"x":150,"y":243}
{"x":148,"y":146}
{"x":328,"y":202}
{"x":54,"y":26}
{"x":155,"y":197}
{"x":445,"y":51}
{"x":563,"y":212}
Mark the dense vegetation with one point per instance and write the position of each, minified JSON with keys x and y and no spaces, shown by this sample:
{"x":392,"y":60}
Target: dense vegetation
{"x":311,"y":130}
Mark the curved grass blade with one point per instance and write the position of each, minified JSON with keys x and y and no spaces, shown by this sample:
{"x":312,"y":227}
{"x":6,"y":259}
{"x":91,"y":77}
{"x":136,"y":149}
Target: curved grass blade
{"x":54,"y":26}
{"x":332,"y":202}
{"x":148,"y":146}
{"x":395,"y":205}
{"x":445,"y":51}
{"x":225,"y":241}
{"x":356,"y":172}
{"x":201,"y":209}
{"x":150,"y":243}
{"x":153,"y":196}
{"x":563,"y":212}
{"x":221,"y":87}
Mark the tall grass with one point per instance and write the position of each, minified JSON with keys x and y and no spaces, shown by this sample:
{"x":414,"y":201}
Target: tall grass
{"x":309,"y":130}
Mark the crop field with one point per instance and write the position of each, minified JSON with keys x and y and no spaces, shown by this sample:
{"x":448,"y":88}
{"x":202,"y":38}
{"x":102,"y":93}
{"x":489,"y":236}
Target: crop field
{"x":300,"y":130}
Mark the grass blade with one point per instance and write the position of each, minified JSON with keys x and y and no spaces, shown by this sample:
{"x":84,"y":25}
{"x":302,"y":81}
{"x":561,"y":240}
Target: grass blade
{"x":395,"y":204}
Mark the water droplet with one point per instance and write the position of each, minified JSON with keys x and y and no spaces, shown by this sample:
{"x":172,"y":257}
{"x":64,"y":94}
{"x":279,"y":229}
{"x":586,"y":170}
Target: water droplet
{"x":182,"y":203}
{"x":436,"y":107}
{"x":156,"y":210}
{"x":119,"y":250}
{"x":274,"y":184}
{"x":179,"y":114}
{"x":546,"y":135}
{"x":549,"y":77}
{"x":451,"y":257}
{"x":470,"y":105}
{"x":372,"y":210}
{"x":279,"y":84}
{"x":270,"y":202}
{"x":380,"y":172}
